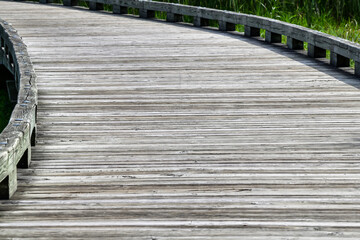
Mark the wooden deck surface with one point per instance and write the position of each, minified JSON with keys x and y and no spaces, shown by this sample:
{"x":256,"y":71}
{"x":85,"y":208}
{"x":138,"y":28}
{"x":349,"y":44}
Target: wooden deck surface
{"x":151,"y":130}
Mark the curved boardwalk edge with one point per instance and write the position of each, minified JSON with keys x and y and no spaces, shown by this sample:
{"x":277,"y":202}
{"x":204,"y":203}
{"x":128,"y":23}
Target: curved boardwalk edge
{"x":17,"y":138}
{"x":341,"y":50}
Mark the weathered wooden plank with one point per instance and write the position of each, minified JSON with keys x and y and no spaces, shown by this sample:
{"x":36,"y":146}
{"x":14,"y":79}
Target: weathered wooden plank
{"x":17,"y":137}
{"x":152,"y":130}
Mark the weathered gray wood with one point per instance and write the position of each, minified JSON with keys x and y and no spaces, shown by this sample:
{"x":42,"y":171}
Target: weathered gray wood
{"x":275,"y":27}
{"x":316,"y":52}
{"x":25,"y":160}
{"x":144,"y":13}
{"x":117,"y":9}
{"x":226,"y":26}
{"x":318,"y":39}
{"x":357,"y":68}
{"x":156,"y":130}
{"x":172,"y":17}
{"x":15,"y":140}
{"x":5,"y":190}
{"x":201,"y":22}
{"x":272,"y":37}
{"x":96,"y":6}
{"x":339,"y":61}
{"x":252,"y":32}
{"x":8,"y":175}
{"x":294,"y":44}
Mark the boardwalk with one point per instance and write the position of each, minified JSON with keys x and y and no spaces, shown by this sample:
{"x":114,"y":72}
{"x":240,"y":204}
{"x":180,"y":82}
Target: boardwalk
{"x":152,"y":130}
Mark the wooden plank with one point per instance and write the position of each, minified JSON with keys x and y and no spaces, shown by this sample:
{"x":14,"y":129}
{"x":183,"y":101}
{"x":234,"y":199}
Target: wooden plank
{"x":149,"y":130}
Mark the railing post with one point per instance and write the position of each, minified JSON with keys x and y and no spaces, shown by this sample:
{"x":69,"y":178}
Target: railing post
{"x":252,"y":31}
{"x":144,"y":13}
{"x":357,"y":68}
{"x":25,"y":159}
{"x":172,"y":17}
{"x":9,"y":185}
{"x":70,"y":2}
{"x":271,"y":37}
{"x":200,"y":22}
{"x":96,"y":6}
{"x":316,"y":52}
{"x":294,"y":44}
{"x":339,"y":61}
{"x":226,"y":26}
{"x":117,"y":9}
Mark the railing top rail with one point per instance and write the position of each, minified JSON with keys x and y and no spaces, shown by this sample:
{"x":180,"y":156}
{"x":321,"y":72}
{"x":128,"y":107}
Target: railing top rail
{"x":16,"y":138}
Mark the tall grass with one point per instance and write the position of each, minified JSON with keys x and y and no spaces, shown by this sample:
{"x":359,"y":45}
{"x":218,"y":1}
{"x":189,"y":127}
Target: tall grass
{"x":339,"y":9}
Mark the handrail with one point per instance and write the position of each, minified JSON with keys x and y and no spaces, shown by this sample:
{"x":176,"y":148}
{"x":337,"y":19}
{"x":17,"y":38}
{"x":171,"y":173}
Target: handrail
{"x":341,"y":50}
{"x":19,"y":135}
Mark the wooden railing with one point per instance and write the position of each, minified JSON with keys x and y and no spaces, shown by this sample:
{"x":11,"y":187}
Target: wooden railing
{"x":16,"y":139}
{"x":341,"y":51}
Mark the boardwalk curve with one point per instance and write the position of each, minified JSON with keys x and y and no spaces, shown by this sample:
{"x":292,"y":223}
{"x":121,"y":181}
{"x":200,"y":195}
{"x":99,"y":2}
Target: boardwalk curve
{"x":16,"y":139}
{"x":150,"y":130}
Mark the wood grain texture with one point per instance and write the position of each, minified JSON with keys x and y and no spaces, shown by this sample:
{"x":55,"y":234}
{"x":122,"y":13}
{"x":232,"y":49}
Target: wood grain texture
{"x":16,"y":137}
{"x":274,"y":28}
{"x":152,"y":130}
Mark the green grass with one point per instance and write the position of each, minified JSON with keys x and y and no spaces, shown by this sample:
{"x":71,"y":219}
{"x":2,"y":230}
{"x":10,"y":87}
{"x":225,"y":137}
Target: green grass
{"x":6,"y":108}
